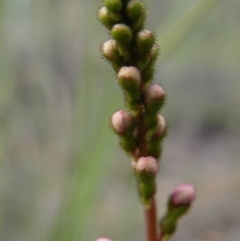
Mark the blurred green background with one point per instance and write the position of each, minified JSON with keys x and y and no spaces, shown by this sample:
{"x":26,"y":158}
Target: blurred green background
{"x":62,"y":174}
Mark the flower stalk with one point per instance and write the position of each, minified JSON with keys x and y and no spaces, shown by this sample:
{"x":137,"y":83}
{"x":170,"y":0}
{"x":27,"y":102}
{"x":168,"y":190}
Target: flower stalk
{"x":132,"y":51}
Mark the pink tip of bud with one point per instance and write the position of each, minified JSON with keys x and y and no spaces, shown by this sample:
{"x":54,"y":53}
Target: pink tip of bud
{"x":147,"y":164}
{"x":103,"y":239}
{"x":184,"y":194}
{"x":129,"y":73}
{"x":121,"y":121}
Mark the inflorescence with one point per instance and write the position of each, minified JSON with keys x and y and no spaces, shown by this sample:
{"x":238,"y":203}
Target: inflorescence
{"x":132,"y":51}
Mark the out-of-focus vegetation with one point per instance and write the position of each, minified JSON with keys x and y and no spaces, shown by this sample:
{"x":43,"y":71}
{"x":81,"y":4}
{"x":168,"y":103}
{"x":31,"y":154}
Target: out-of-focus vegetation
{"x":62,"y":174}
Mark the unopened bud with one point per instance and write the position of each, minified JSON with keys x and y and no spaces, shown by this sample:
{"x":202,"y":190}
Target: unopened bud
{"x":135,"y":9}
{"x":183,"y":195}
{"x":147,"y":60}
{"x":154,"y":97}
{"x":147,"y":165}
{"x":161,"y":127}
{"x":122,"y":34}
{"x":108,"y":18}
{"x":154,"y":52}
{"x":121,"y":122}
{"x":114,"y":5}
{"x":103,"y":239}
{"x":110,"y":51}
{"x":145,"y":41}
{"x":129,"y":78}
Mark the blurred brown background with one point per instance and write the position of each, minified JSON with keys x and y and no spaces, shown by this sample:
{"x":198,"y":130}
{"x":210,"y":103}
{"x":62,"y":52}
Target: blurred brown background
{"x":62,"y":174}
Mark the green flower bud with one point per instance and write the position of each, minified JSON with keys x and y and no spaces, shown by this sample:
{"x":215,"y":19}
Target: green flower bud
{"x":154,"y":97}
{"x":122,"y":34}
{"x":146,"y":170}
{"x":123,"y":124}
{"x":108,"y":18}
{"x":135,"y":9}
{"x":114,"y":5}
{"x":145,"y":41}
{"x":178,"y":205}
{"x":129,"y":79}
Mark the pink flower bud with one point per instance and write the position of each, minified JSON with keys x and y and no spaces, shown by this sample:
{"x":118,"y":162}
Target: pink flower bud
{"x":184,"y":194}
{"x":147,"y":164}
{"x":129,"y":79}
{"x":161,"y":128}
{"x":129,"y":74}
{"x":121,"y":121}
{"x":103,"y":239}
{"x":154,"y":97}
